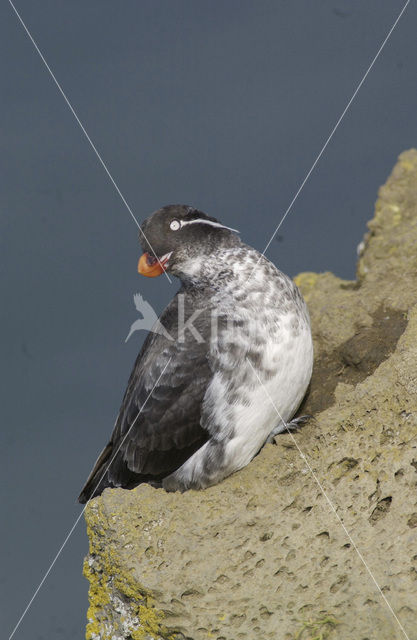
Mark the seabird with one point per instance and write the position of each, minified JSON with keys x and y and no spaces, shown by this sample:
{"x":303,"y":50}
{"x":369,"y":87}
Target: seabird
{"x":201,"y":402}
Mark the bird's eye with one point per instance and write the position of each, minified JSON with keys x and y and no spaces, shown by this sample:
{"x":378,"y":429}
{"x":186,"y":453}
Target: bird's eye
{"x":175,"y":225}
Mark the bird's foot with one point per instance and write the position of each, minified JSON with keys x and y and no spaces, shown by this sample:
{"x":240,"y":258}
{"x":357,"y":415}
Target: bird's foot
{"x":295,"y":423}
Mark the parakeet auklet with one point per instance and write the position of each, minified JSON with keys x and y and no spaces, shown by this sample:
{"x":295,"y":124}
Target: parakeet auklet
{"x":195,"y":409}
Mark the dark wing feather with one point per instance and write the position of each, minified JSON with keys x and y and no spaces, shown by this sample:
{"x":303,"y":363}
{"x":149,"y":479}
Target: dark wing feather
{"x":158,"y":427}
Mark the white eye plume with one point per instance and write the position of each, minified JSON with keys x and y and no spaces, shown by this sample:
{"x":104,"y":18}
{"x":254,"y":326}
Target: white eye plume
{"x":179,"y":224}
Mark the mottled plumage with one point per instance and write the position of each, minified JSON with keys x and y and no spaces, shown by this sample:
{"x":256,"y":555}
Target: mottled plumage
{"x":198,"y":409}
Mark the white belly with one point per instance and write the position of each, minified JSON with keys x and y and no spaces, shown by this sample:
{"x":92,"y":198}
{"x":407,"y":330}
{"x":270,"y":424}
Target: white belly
{"x":270,"y":399}
{"x":261,"y":355}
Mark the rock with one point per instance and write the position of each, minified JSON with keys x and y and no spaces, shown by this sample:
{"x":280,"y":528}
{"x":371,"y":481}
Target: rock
{"x":293,"y":546}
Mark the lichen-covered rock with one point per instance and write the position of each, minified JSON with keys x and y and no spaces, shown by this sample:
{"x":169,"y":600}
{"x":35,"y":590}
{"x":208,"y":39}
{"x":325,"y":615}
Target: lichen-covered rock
{"x":318,"y":534}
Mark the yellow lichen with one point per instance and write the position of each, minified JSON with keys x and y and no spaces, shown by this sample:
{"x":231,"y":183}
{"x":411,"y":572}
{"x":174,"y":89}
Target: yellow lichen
{"x":306,"y":280}
{"x":150,"y":620}
{"x":112,"y":582}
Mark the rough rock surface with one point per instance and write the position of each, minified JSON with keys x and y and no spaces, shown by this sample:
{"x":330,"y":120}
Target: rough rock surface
{"x":273,"y":551}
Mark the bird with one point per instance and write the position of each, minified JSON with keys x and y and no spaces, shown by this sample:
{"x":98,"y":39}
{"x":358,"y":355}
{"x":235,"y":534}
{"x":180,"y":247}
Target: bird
{"x":200,"y":406}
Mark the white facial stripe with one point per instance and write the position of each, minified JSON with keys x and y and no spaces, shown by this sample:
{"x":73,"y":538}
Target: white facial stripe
{"x":163,"y":259}
{"x":210,"y":222}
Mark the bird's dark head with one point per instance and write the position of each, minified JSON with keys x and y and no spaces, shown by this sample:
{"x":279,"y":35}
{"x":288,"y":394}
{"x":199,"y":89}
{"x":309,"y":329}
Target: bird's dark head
{"x":180,"y":239}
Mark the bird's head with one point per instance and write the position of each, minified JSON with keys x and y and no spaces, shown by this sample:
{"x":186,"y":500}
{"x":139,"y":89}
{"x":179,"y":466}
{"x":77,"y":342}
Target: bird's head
{"x":182,"y":240}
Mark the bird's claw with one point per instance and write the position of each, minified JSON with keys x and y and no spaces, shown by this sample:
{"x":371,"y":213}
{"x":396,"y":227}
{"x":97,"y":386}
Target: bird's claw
{"x":295,"y":423}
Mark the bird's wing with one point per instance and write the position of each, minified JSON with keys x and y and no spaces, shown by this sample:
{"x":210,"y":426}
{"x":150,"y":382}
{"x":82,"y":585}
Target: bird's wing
{"x":158,"y":426}
{"x":138,"y":300}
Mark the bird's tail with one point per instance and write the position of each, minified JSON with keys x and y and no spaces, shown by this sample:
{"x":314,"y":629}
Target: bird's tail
{"x":96,"y":481}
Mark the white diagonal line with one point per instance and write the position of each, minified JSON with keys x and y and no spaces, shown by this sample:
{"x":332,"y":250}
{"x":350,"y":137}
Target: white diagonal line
{"x":331,"y":134}
{"x":304,"y":458}
{"x":71,"y":108}
{"x":268,"y":244}
{"x":69,"y":534}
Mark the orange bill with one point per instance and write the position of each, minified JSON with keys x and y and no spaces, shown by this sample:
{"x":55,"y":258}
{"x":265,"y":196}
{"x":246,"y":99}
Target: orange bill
{"x":149,"y":266}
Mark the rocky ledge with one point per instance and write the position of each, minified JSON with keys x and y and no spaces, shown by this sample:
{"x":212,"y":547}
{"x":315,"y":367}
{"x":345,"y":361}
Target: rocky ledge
{"x":317,"y":537}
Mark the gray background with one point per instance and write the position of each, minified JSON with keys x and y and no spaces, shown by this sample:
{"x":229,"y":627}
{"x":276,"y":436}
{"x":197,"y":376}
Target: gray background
{"x":223,"y":105}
